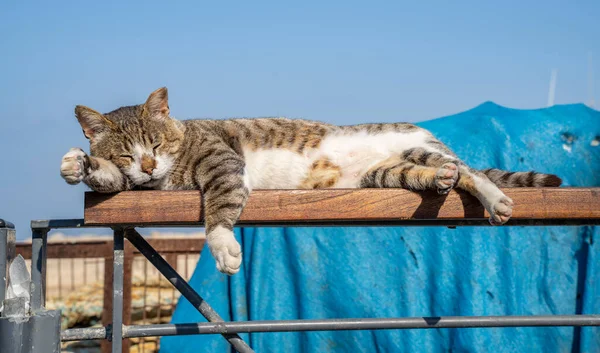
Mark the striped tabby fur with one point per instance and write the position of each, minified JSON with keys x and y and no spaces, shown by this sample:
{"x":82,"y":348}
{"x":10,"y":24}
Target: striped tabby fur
{"x":143,"y":147}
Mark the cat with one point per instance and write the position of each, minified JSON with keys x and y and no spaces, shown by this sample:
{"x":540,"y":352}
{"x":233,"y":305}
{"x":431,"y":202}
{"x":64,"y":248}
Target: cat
{"x":141,"y":146}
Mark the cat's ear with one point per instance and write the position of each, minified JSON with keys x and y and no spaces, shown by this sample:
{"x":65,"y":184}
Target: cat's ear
{"x":157,"y":104}
{"x":92,"y":122}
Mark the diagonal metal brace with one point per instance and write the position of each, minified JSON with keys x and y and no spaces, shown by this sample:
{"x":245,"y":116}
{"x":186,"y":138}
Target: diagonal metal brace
{"x":183,"y":287}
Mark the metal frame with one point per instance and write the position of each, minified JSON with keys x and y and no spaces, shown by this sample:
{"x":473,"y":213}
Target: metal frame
{"x":22,"y":331}
{"x":229,"y":330}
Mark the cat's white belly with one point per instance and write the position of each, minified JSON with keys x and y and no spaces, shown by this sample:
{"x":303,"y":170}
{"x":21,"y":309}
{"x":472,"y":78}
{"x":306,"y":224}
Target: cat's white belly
{"x":354,"y":153}
{"x":275,"y":168}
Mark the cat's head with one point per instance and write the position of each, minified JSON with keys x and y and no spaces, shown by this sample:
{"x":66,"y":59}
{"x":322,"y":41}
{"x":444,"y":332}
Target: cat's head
{"x":142,"y":140}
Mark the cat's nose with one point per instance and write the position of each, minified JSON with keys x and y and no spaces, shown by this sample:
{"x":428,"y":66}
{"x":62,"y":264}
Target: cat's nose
{"x":148,"y":164}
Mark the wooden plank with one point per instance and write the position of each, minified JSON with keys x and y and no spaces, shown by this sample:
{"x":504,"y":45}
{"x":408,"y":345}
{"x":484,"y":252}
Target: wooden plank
{"x":337,"y":206}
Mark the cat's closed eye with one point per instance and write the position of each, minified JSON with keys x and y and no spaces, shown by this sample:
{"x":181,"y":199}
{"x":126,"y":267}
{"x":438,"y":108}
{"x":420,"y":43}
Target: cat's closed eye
{"x":156,"y":147}
{"x":127,"y":156}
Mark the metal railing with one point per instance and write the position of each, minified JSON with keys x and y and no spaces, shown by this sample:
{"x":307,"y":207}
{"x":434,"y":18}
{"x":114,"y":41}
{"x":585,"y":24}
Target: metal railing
{"x":40,"y":231}
{"x":538,"y":207}
{"x":229,"y":330}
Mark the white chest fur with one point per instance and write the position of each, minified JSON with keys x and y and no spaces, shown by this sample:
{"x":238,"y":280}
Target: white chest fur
{"x":354,"y":153}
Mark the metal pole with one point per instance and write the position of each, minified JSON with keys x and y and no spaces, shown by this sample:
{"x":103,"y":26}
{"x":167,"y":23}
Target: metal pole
{"x":117,"y":315}
{"x":38,"y":268}
{"x":182,"y":286}
{"x":360,"y":324}
{"x":3,"y":262}
{"x":204,"y":328}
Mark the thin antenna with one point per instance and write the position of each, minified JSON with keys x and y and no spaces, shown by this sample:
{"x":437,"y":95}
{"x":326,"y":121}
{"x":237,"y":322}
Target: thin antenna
{"x":590,"y":81}
{"x":552,"y":88}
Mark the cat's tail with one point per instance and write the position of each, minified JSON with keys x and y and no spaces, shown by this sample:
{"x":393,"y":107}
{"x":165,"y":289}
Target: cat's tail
{"x":505,"y":179}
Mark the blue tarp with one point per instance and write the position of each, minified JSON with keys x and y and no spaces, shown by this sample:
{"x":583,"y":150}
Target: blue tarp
{"x":312,"y":273}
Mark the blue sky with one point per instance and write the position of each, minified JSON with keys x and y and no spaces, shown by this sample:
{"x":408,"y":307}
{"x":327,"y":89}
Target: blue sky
{"x":342,"y":62}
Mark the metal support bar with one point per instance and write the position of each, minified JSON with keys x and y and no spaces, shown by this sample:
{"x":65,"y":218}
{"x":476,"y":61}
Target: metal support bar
{"x":117,"y":314}
{"x":205,"y":328}
{"x":182,"y":286}
{"x":38,"y":268}
{"x":3,"y":262}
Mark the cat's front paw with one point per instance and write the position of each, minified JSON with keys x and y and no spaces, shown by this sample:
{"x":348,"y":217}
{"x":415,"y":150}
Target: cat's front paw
{"x":446,"y":177}
{"x":72,"y":168}
{"x":225,"y":250}
{"x":501,"y":211}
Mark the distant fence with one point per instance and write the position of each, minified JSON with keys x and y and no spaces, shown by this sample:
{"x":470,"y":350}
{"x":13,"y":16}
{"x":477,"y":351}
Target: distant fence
{"x":78,"y":270}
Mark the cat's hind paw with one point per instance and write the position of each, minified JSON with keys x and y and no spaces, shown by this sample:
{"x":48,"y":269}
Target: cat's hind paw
{"x":501,"y":211}
{"x":446,"y":178}
{"x":225,"y":250}
{"x":72,"y":166}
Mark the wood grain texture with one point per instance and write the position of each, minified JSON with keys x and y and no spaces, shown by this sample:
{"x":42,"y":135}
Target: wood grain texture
{"x":346,"y":206}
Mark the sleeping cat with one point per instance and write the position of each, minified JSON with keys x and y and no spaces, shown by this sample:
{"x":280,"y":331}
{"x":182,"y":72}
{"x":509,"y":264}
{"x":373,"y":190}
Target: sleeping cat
{"x":141,"y":146}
